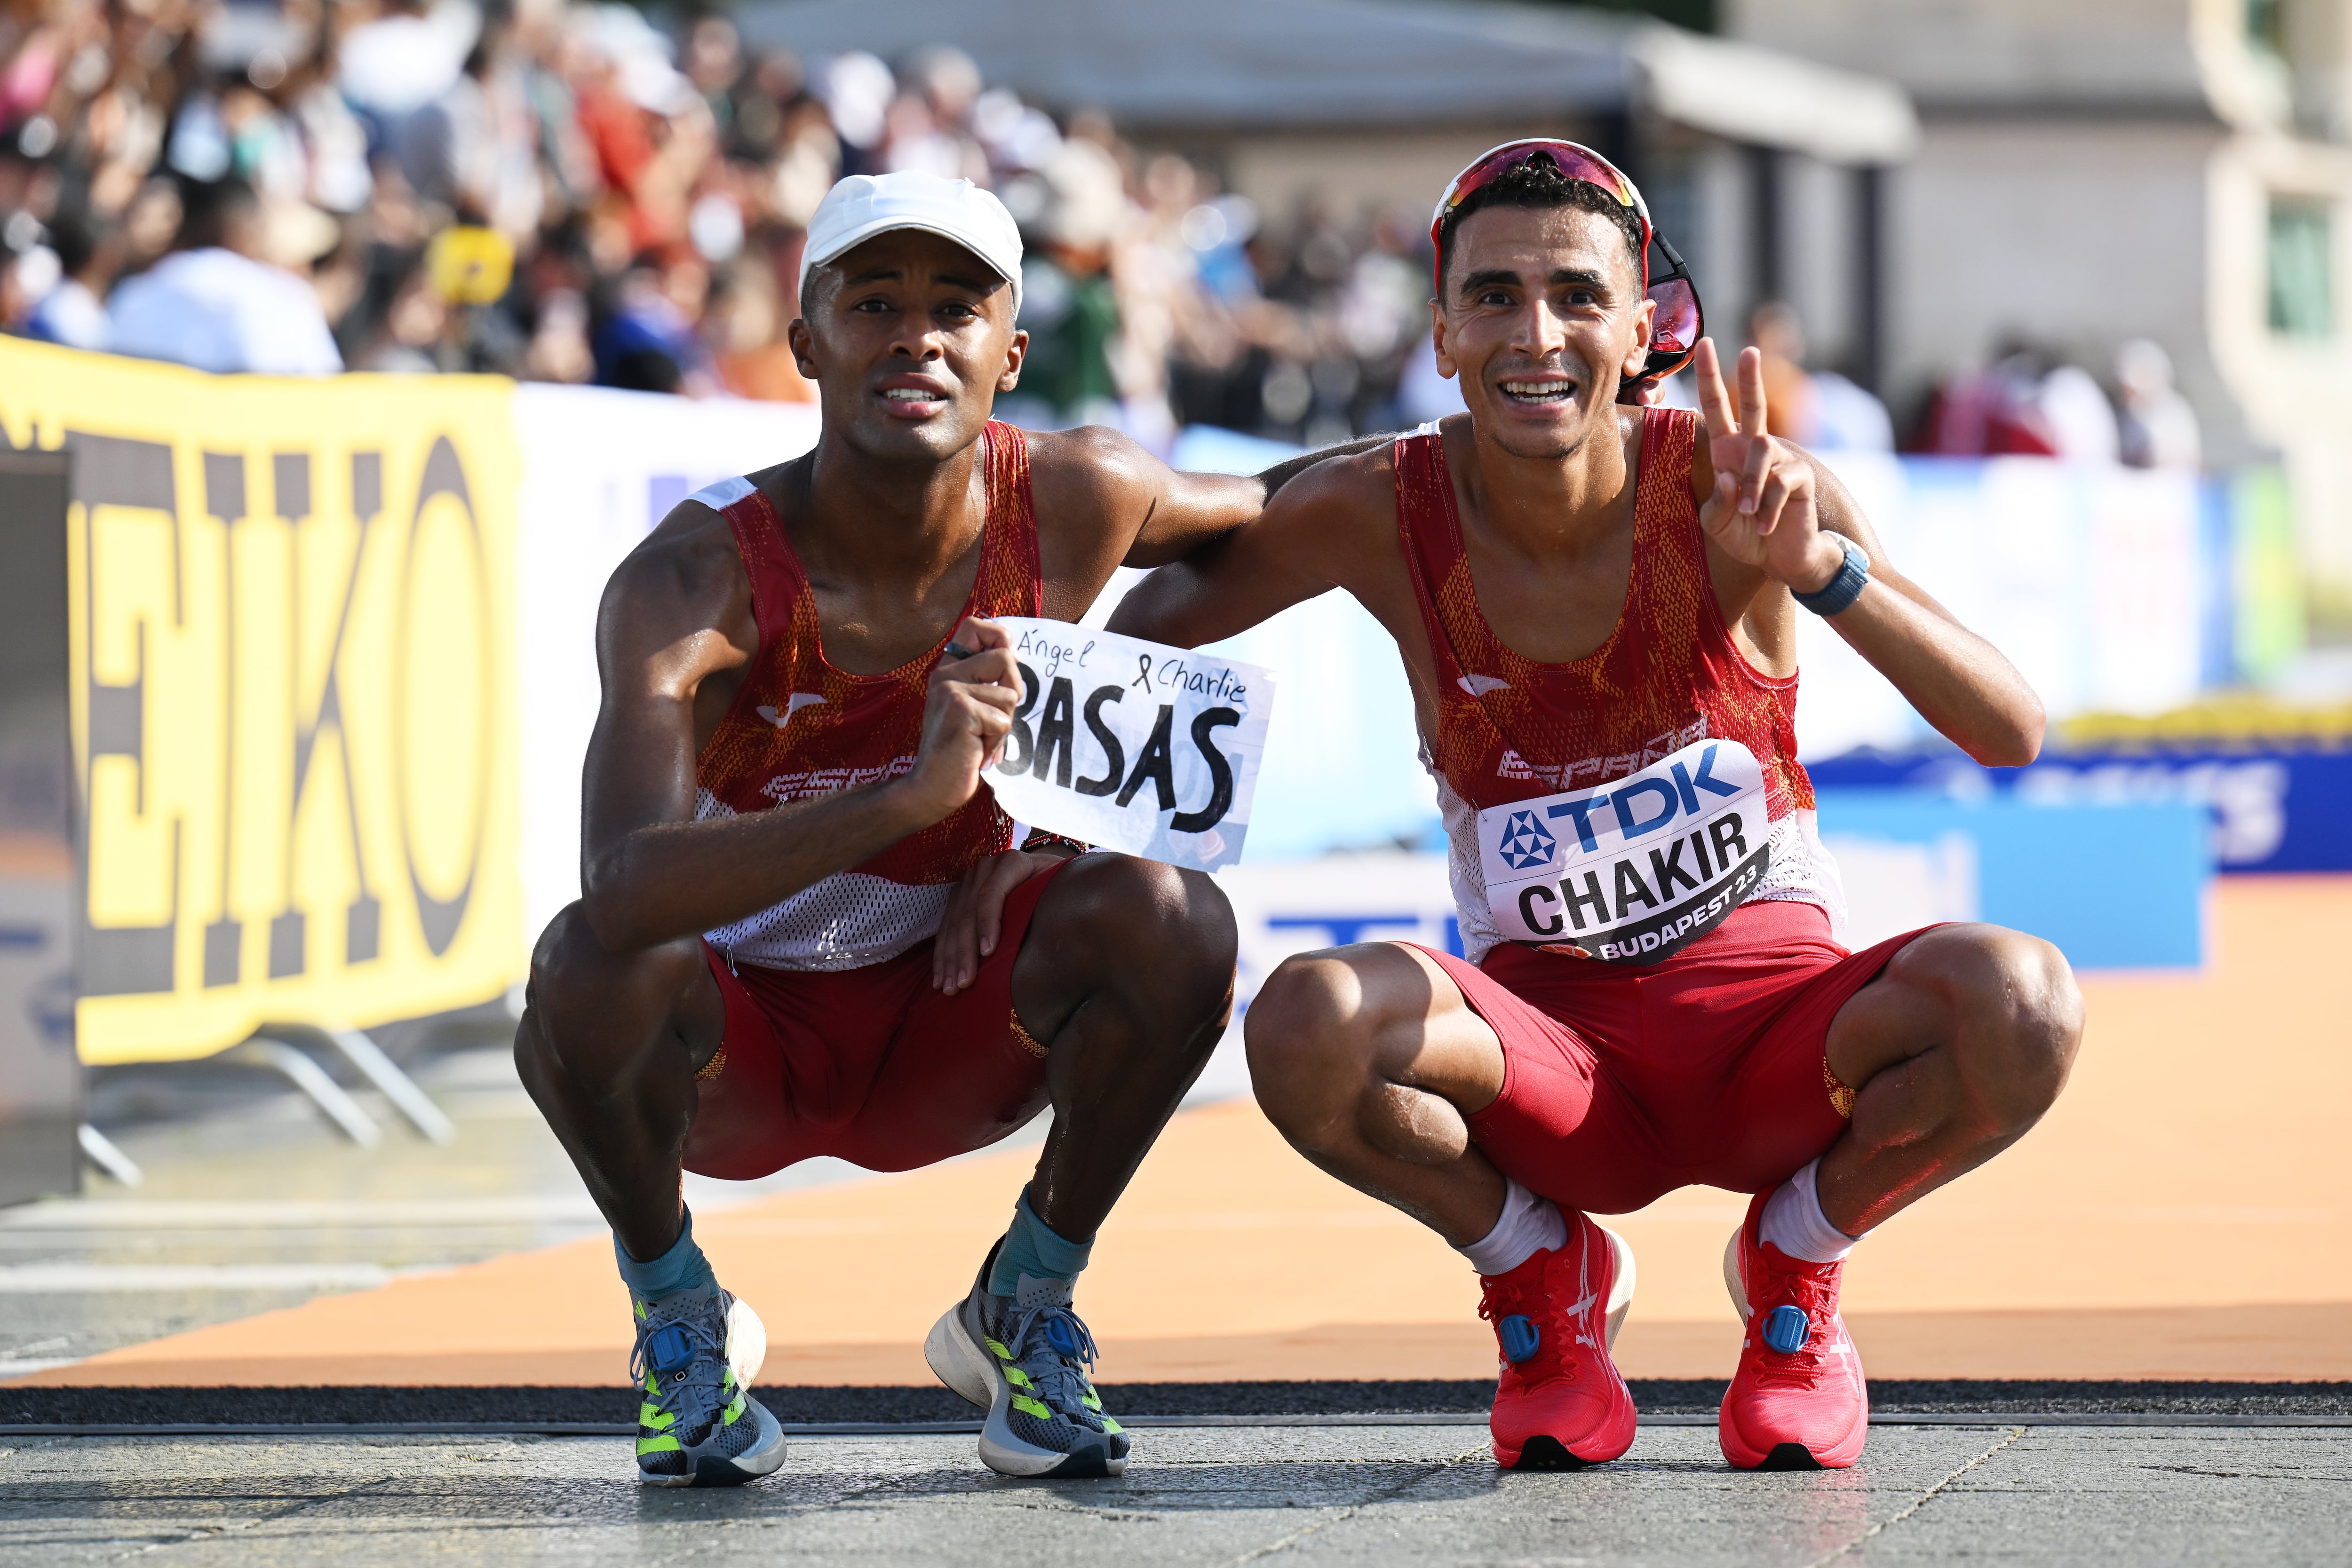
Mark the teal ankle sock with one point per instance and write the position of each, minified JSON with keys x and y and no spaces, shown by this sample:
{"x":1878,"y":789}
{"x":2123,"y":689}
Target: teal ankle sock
{"x":682,"y":1268}
{"x":1031,"y":1248}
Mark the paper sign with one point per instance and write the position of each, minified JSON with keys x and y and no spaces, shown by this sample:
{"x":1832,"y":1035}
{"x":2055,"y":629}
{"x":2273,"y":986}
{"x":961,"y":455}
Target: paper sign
{"x":1132,"y":746}
{"x":1630,"y":871}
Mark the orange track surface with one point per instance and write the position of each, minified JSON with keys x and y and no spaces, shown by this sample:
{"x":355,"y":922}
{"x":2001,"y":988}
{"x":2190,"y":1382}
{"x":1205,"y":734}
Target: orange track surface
{"x":2185,"y":1212}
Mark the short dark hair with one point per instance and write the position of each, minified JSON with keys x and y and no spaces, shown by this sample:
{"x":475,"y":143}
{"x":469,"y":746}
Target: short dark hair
{"x":211,"y":207}
{"x":1539,"y":183}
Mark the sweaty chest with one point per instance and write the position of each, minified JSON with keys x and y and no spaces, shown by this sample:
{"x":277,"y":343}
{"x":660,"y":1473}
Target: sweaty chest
{"x":1554,"y":609}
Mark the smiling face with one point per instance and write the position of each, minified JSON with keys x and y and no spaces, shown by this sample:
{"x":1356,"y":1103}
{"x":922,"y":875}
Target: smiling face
{"x":1543,"y":316}
{"x":909,"y":337}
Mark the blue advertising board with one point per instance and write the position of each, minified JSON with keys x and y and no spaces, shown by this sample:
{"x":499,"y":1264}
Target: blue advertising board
{"x":2271,"y":810}
{"x":2115,"y":887}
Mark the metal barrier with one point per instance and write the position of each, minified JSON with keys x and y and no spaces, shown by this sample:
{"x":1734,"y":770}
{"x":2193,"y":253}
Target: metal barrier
{"x":40,"y":1081}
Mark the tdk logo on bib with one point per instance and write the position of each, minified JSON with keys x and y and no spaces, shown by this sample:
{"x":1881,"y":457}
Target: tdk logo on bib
{"x":1525,"y":845}
{"x":1630,"y":872}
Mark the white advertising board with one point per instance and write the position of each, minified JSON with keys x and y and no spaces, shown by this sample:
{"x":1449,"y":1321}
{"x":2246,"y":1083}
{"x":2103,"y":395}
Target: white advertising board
{"x":600,"y":468}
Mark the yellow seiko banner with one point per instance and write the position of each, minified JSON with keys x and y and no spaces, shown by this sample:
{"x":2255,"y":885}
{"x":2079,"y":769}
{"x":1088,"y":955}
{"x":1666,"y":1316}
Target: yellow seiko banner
{"x":293,"y":693}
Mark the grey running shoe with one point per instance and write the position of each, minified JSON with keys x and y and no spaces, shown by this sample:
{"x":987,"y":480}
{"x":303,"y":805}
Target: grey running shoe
{"x":697,"y":1425}
{"x":1024,"y":1358}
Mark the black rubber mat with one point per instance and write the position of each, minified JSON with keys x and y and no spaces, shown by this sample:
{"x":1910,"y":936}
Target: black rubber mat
{"x":171,"y":1406}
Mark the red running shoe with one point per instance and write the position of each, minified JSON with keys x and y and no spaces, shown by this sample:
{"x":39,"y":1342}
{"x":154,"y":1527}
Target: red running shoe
{"x":1798,"y":1401}
{"x":1559,"y":1403}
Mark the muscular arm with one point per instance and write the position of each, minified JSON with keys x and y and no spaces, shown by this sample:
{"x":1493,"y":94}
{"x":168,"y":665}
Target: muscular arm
{"x":1091,"y":473}
{"x":1229,"y":582}
{"x":1958,"y":682}
{"x":676,"y":615}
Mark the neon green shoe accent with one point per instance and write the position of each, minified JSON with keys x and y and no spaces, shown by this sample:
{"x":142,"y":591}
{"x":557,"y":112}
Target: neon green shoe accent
{"x":653,"y":1383}
{"x":661,"y":1445}
{"x":1018,"y":1378}
{"x":1110,"y":1425}
{"x":1035,"y":1407}
{"x":1090,"y":1402}
{"x":733,"y":1413}
{"x":641,"y":1309}
{"x":1001,"y":1353}
{"x":659,"y":1420}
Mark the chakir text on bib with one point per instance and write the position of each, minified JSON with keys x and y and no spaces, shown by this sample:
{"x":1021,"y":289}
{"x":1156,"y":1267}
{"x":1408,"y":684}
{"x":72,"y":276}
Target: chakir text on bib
{"x":1630,"y":873}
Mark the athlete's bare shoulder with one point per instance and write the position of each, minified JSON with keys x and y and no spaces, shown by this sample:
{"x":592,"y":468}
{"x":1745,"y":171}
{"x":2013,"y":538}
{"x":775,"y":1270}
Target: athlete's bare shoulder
{"x":685,"y":579}
{"x":1342,"y":513}
{"x":1090,"y":462}
{"x":1104,"y":500}
{"x":1091,"y":491}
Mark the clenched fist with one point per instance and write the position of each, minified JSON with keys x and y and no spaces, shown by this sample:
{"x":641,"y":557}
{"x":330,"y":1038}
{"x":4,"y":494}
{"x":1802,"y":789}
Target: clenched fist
{"x":966,"y":716}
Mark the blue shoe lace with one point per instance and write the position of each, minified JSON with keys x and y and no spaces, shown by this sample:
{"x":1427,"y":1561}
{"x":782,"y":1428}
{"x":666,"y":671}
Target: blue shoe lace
{"x":689,"y":1355}
{"x":1052,"y":1344}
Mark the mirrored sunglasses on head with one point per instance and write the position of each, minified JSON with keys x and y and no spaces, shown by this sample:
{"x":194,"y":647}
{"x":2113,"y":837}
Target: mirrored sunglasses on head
{"x":1679,"y":322}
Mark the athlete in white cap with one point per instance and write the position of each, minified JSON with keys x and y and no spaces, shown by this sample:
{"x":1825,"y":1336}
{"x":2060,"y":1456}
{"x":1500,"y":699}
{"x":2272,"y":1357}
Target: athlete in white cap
{"x":805,"y":926}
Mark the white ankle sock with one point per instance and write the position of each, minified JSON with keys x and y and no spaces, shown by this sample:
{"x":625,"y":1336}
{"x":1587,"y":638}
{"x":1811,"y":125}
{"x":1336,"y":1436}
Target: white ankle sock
{"x":1530,"y":1225}
{"x":1794,"y":1223}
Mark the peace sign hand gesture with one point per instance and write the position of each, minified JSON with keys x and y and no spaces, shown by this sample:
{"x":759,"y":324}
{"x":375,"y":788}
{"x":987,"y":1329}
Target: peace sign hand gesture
{"x":1762,"y":511}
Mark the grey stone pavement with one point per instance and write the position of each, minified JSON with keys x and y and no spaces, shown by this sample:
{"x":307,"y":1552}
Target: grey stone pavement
{"x":252,"y":1201}
{"x":1415,"y":1497}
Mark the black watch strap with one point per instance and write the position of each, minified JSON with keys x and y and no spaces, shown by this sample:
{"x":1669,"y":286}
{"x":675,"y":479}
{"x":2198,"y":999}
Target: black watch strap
{"x":1843,"y":588}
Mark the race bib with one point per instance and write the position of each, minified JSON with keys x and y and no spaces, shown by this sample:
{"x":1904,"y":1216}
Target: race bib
{"x":1630,"y":873}
{"x":1133,"y":746}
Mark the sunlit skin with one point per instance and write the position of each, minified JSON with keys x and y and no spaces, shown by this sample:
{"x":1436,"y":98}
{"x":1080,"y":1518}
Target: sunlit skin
{"x":1367,"y":1057}
{"x":1547,"y":299}
{"x":916,"y":314}
{"x":1127,"y":972}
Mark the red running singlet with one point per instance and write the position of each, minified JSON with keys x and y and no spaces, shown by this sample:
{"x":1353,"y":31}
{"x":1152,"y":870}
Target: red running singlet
{"x":801,"y":729}
{"x":1510,"y":728}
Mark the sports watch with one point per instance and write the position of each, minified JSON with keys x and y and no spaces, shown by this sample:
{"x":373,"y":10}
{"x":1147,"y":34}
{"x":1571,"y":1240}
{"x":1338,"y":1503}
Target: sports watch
{"x":1841,"y":589}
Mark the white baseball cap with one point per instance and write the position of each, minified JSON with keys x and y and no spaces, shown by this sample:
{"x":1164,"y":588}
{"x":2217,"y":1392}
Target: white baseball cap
{"x":863,"y":205}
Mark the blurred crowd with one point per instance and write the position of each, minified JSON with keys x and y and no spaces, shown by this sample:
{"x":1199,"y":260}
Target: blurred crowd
{"x":564,"y":193}
{"x":2029,"y":401}
{"x":2033,"y":401}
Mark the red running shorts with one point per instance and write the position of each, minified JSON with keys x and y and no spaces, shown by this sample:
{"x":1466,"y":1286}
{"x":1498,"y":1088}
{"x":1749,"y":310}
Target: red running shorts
{"x":1621,"y":1084}
{"x":869,"y":1065}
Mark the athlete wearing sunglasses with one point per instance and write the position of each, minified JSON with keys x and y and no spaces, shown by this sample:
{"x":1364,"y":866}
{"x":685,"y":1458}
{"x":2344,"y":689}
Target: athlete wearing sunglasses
{"x":1597,"y":605}
{"x":1676,"y":323}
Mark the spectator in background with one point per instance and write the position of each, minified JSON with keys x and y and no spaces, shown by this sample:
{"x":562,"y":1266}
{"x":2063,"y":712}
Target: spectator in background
{"x":2159,"y":428}
{"x":1818,"y":409}
{"x":69,"y":311}
{"x":410,"y":329}
{"x":1069,"y":304}
{"x":217,"y":305}
{"x":406,"y":59}
{"x":563,"y":191}
{"x":745,"y":324}
{"x":1779,"y":336}
{"x":647,"y":339}
{"x":2030,"y":402}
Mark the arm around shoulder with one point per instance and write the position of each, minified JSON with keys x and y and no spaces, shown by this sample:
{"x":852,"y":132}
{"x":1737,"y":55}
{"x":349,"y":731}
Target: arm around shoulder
{"x":1294,"y":550}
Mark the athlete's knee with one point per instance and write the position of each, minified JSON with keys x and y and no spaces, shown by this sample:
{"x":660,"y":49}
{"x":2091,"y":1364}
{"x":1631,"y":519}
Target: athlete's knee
{"x":2017,"y":1016}
{"x":1309,"y":1034}
{"x":581,"y":994}
{"x":1142,"y":923}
